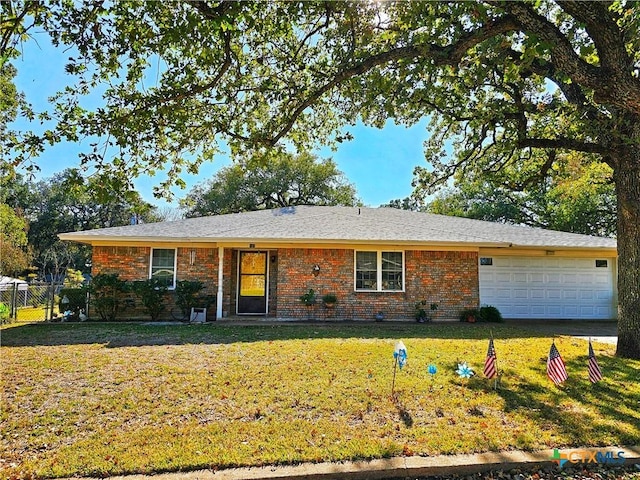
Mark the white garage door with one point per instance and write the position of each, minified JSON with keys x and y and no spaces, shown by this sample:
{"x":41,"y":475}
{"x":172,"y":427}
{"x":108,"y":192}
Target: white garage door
{"x":548,"y":287}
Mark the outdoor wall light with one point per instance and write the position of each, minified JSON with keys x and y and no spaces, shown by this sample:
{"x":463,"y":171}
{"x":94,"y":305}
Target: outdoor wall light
{"x":316,"y":270}
{"x":192,"y":257}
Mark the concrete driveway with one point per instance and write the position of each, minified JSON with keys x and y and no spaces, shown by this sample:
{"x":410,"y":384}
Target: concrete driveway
{"x":598,"y":331}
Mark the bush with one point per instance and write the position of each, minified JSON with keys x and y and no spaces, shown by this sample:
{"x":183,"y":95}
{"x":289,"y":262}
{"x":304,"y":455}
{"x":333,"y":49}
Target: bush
{"x":470,"y":315}
{"x":106,"y":295}
{"x":5,"y":313}
{"x":490,"y":313}
{"x":187,"y":295}
{"x":152,"y":295}
{"x":77,"y":299}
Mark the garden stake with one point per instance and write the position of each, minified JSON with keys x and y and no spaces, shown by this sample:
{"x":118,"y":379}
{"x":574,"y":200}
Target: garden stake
{"x":393,"y":383}
{"x":495,"y":383}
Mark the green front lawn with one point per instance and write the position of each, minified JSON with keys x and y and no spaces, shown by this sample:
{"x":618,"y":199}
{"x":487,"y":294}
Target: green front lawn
{"x":98,"y":399}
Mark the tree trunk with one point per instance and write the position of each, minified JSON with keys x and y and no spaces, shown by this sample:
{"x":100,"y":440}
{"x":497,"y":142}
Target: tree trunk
{"x":627,"y":178}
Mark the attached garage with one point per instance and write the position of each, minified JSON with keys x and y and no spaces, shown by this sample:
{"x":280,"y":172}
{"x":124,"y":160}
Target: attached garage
{"x":549,"y":287}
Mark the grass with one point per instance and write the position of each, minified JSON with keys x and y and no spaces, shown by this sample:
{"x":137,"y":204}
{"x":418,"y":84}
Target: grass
{"x":31,"y":314}
{"x":107,"y":399}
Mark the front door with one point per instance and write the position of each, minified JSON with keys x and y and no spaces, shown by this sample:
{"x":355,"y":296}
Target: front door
{"x":252,"y":283}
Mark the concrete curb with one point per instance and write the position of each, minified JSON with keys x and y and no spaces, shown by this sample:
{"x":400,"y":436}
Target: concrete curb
{"x":399,"y":467}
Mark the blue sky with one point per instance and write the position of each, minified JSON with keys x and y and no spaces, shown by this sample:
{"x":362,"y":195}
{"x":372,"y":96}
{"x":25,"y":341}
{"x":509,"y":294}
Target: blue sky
{"x":379,"y":162}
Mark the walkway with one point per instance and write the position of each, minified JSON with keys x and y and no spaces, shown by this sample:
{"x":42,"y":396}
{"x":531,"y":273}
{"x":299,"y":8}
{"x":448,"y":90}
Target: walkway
{"x":405,"y":467}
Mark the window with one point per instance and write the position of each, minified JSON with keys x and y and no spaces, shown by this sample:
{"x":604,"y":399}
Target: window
{"x":486,"y":261}
{"x":379,"y":271}
{"x":601,"y":264}
{"x":163,"y":266}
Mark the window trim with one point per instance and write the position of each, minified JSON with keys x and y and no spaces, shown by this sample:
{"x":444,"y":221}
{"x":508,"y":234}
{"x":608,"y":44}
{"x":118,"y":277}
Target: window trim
{"x":378,"y":271}
{"x":175,"y":265}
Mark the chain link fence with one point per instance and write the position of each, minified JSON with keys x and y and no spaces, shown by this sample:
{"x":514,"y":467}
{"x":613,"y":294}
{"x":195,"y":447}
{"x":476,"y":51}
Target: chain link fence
{"x":27,"y":302}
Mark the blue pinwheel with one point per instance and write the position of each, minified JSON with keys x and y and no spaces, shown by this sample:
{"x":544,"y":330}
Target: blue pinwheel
{"x":400,"y":354}
{"x":464,"y":370}
{"x":432,"y":369}
{"x":400,"y":359}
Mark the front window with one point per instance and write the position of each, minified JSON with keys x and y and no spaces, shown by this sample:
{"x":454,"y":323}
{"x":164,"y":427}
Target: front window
{"x":379,"y":271}
{"x":163,"y":266}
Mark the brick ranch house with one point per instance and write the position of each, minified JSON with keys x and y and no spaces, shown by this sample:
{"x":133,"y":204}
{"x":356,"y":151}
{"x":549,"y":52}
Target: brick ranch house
{"x":373,"y":259}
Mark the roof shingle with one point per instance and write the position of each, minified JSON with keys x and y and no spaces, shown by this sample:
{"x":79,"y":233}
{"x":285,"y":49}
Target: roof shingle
{"x":313,"y":224}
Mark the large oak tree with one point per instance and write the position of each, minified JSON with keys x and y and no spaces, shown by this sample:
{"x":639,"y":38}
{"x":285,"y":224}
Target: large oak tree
{"x":499,"y":80}
{"x":271,"y":181}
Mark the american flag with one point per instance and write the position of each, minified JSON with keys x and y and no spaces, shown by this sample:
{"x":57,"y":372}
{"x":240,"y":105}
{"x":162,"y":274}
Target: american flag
{"x":595,"y":375}
{"x":556,"y":370}
{"x":490,"y":369}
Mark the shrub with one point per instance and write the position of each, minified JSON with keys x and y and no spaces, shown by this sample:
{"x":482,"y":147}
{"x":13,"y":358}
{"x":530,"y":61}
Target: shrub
{"x":106,"y":295}
{"x":77,"y":299}
{"x":186,"y":294}
{"x":470,"y":315}
{"x":5,"y":313}
{"x":489,"y":313}
{"x":152,"y":296}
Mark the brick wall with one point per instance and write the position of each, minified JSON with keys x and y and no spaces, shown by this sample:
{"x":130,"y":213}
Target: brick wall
{"x":132,"y":263}
{"x":449,"y":279}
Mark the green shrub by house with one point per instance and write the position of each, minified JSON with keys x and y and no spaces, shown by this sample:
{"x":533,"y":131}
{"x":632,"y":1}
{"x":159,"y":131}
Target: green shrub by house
{"x":187,"y":295}
{"x":107,"y":290}
{"x":489,"y":313}
{"x":152,"y":296}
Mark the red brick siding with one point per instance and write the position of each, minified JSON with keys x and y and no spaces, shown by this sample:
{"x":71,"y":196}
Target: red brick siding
{"x":449,"y":279}
{"x":132,"y":263}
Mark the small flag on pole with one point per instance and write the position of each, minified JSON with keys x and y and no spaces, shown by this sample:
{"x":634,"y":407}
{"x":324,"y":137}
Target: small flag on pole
{"x":490,"y":369}
{"x":556,"y":370}
{"x":595,"y":375}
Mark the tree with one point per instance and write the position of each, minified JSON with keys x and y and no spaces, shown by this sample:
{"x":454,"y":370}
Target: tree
{"x":16,"y":19}
{"x":14,"y":253}
{"x":499,"y":80}
{"x":64,"y":204}
{"x":277,"y":180}
{"x":574,"y":196}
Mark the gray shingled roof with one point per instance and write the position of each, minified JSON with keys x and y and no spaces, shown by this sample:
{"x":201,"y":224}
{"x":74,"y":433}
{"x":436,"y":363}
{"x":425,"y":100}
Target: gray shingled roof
{"x":310,"y":224}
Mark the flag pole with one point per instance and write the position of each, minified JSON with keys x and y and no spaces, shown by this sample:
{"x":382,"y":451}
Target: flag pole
{"x":495,"y":382}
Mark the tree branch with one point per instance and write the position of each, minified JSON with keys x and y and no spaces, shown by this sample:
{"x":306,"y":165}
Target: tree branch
{"x":440,"y":56}
{"x":611,"y":85}
{"x":563,"y":143}
{"x":602,"y":28}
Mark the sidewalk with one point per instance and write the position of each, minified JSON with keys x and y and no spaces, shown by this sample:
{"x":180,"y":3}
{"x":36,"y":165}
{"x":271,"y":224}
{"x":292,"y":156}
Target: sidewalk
{"x":400,"y":467}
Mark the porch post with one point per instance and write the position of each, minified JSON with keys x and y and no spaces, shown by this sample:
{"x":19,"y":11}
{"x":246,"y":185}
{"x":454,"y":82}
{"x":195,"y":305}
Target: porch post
{"x":220,"y":279}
